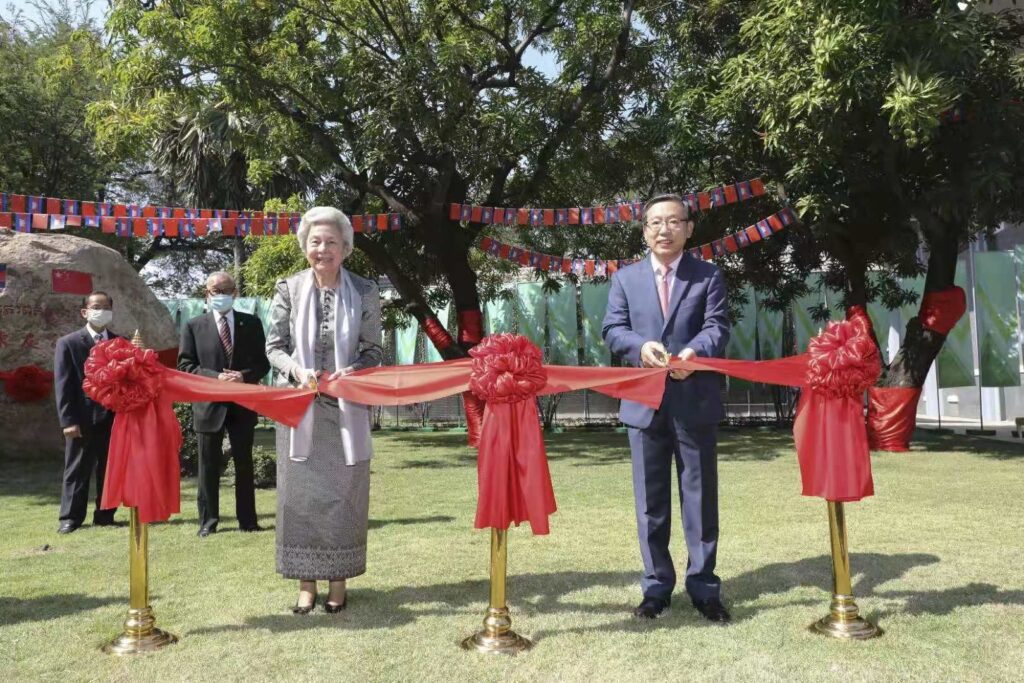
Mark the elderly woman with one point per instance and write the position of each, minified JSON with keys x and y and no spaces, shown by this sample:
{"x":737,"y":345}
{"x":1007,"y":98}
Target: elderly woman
{"x":325,"y":322}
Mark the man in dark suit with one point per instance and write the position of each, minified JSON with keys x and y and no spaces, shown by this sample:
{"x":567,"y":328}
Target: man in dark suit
{"x":673,"y":304}
{"x":229,"y":345}
{"x":86,"y":424}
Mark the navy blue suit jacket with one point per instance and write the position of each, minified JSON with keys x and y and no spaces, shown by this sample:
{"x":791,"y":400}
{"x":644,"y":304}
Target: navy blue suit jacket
{"x":698,"y":318}
{"x":73,"y":406}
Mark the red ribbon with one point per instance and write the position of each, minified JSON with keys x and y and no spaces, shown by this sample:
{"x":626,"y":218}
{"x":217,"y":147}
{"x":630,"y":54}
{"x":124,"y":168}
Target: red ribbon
{"x":891,"y":417}
{"x":436,"y":333}
{"x":27,"y":383}
{"x":941,"y":310}
{"x":514,"y":483}
{"x":471,"y":326}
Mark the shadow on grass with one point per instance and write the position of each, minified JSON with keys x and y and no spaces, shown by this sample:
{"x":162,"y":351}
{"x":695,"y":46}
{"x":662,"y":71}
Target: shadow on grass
{"x":928,"y":441}
{"x":405,"y":521}
{"x":32,"y":480}
{"x":553,"y":593}
{"x":17,"y":610}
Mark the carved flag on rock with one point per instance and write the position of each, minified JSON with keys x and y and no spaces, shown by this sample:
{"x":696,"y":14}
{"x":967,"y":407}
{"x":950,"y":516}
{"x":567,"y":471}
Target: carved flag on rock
{"x":71,"y":282}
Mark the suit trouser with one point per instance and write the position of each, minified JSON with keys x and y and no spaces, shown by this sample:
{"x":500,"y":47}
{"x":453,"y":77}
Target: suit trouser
{"x":83,"y":456}
{"x":240,"y":430}
{"x":693,"y":449}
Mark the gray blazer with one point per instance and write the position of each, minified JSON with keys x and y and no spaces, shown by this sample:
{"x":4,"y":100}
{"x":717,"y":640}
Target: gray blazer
{"x":280,"y":348}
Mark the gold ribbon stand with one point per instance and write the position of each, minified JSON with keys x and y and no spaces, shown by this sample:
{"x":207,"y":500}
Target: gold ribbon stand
{"x":140,"y":631}
{"x":497,"y":636}
{"x":843,"y":619}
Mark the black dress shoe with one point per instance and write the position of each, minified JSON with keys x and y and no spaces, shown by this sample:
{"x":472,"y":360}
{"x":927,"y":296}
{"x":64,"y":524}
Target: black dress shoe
{"x":67,"y":527}
{"x":713,"y":610}
{"x":332,"y":608}
{"x":651,"y":608}
{"x":103,"y":521}
{"x":304,"y":609}
{"x":249,"y":529}
{"x":206,"y":531}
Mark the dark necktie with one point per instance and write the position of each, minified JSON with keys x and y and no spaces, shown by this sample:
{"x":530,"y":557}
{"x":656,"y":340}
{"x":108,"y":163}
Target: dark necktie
{"x":225,"y":339}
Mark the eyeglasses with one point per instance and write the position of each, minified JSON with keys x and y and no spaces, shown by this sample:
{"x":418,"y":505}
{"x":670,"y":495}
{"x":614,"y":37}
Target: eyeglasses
{"x":220,"y":290}
{"x":673,"y":224}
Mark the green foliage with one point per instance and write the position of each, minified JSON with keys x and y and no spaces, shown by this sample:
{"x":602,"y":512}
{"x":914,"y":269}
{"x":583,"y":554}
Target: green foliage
{"x":189,"y":454}
{"x":843,"y":102}
{"x":387,"y":106}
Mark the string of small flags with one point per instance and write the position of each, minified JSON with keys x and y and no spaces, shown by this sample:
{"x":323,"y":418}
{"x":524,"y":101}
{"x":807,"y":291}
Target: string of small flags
{"x":25,"y":213}
{"x":730,"y":244}
{"x":621,"y":212}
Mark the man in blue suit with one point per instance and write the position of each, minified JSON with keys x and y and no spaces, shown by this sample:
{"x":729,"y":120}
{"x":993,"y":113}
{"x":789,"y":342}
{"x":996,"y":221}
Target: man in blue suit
{"x":672,"y":304}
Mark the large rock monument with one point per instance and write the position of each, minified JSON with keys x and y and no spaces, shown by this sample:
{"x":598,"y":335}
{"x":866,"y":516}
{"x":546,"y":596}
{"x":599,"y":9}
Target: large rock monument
{"x":47,"y":276}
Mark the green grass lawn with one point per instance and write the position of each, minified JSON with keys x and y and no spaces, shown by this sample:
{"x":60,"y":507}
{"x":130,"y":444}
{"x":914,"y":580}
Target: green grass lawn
{"x":936,"y":555}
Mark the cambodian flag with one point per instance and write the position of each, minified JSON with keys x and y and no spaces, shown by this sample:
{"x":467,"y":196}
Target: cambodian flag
{"x":164,"y":212}
{"x":395,"y":221}
{"x":695,"y":252}
{"x":744,"y":191}
{"x":611,"y":214}
{"x":91,"y":221}
{"x":787,"y":216}
{"x":578,"y":266}
{"x":691,"y":203}
{"x":104,"y":209}
{"x":3,"y":276}
{"x":495,"y":248}
{"x":561,"y":216}
{"x":71,"y":207}
{"x":244,"y":224}
{"x":134,"y":211}
{"x":487,"y":215}
{"x":586,"y":215}
{"x":514,"y":253}
{"x":36,"y":204}
{"x":510,"y":216}
{"x":600,"y":268}
{"x":535,"y":259}
{"x":122,"y":227}
{"x":763,"y":228}
{"x":22,"y":222}
{"x":215,"y":224}
{"x":717,"y":248}
{"x":554,"y":264}
{"x":717,"y":196}
{"x":536,"y":217}
{"x":57,"y":222}
{"x":5,"y":204}
{"x":741,"y":239}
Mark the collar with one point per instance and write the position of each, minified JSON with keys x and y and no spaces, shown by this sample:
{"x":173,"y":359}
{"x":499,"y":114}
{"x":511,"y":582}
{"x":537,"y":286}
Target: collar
{"x":92,"y":332}
{"x":656,"y":264}
{"x":217,"y":315}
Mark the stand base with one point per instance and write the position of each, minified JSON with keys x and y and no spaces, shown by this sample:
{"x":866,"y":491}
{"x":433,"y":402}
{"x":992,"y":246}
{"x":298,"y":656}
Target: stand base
{"x":844,"y":621}
{"x":139,"y":635}
{"x":497,"y":636}
{"x":508,"y":643}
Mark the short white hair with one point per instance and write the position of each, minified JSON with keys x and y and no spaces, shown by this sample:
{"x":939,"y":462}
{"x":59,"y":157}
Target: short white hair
{"x":326,"y":215}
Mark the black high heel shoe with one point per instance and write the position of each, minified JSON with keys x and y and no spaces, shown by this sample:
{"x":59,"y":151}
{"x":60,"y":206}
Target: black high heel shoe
{"x":300,"y":609}
{"x":332,"y":608}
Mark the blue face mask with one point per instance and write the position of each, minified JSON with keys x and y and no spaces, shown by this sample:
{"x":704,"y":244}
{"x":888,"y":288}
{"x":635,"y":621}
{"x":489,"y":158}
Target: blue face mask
{"x":222,"y":303}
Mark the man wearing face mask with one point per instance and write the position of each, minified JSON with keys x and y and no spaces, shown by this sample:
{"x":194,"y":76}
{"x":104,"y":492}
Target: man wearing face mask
{"x":230,"y":346}
{"x":86,"y":424}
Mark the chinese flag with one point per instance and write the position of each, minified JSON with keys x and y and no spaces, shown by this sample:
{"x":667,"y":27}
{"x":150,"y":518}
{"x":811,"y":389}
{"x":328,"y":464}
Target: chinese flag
{"x":170,"y":226}
{"x":705,"y":252}
{"x":71,"y":282}
{"x":730,"y":244}
{"x":775,"y":222}
{"x":17,"y":203}
{"x":357,"y":222}
{"x":730,"y":194}
{"x":756,"y":187}
{"x":140,"y":227}
{"x":108,"y":225}
{"x":549,"y":216}
{"x":149,"y":212}
{"x":229,"y":226}
{"x":40,"y":221}
{"x":599,"y":220}
{"x":5,"y":220}
{"x":485,"y":243}
{"x":257,"y":226}
{"x":704,"y":201}
{"x":454,"y":212}
{"x":753,"y":233}
{"x":475,"y":213}
{"x":53,"y":206}
{"x":503,"y":252}
{"x":523,"y":216}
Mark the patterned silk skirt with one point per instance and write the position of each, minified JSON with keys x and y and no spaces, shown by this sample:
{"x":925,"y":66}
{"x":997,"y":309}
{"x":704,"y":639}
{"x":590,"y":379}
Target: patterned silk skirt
{"x":322,"y":505}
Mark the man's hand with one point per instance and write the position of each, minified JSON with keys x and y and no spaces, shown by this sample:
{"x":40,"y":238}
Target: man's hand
{"x":73,"y":432}
{"x":230,"y":376}
{"x":653,"y":355}
{"x":685,"y":354}
{"x":341,"y":373}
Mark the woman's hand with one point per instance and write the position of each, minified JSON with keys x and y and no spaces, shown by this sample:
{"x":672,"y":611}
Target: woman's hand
{"x":306,"y":377}
{"x":341,"y":373}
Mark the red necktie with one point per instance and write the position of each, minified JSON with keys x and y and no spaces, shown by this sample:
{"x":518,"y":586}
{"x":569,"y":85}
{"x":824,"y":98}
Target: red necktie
{"x":225,"y":338}
{"x":663,"y":292}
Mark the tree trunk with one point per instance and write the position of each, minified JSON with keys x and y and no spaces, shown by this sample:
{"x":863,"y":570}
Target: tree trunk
{"x":920,"y":346}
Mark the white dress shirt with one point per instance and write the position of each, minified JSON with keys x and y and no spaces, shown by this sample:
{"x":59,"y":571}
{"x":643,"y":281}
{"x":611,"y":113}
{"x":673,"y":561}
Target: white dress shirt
{"x":93,"y":333}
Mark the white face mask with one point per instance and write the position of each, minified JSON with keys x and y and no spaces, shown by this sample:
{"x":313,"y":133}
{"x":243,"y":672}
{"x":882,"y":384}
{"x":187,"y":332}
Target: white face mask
{"x":222,"y":303}
{"x":99,"y":318}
